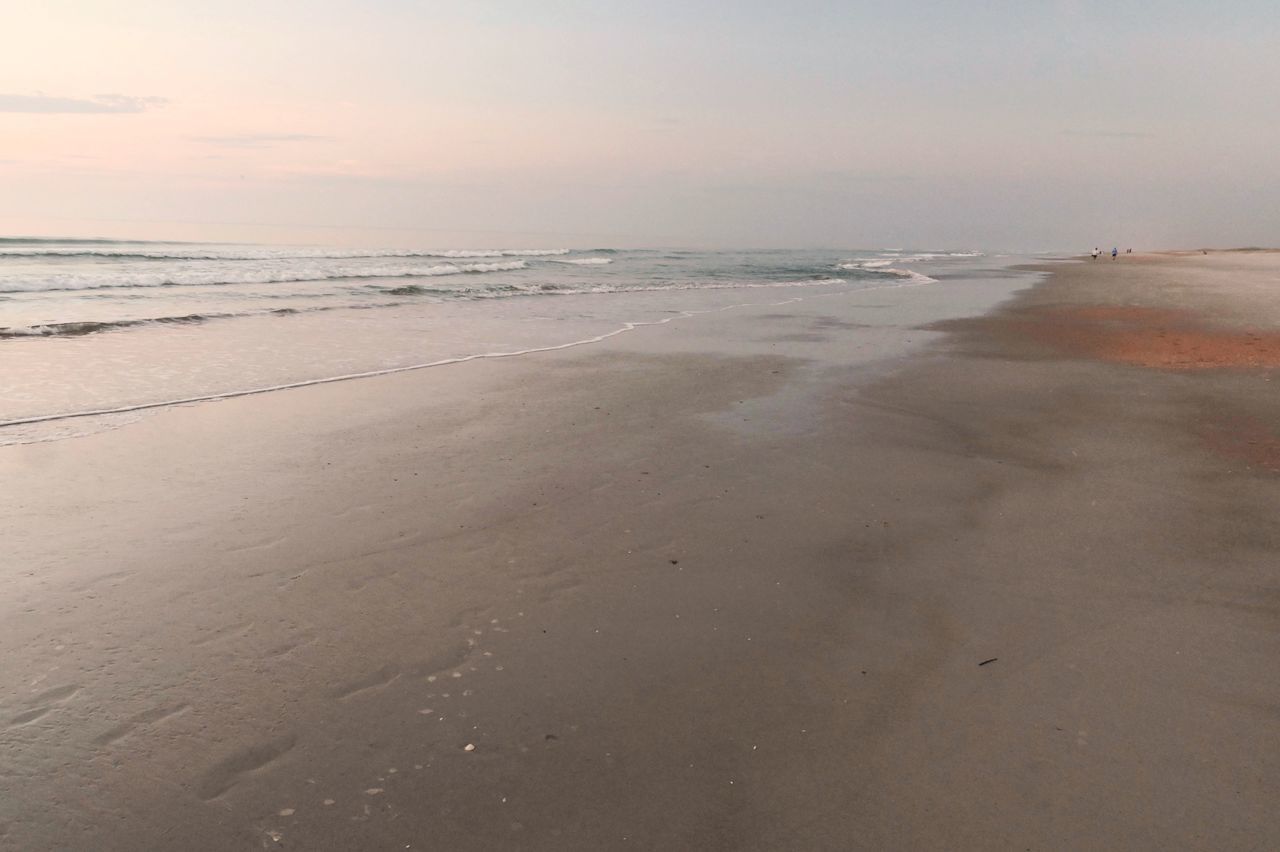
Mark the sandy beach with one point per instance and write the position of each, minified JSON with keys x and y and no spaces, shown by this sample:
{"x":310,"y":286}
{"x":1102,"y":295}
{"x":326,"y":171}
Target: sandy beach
{"x":967,"y":565}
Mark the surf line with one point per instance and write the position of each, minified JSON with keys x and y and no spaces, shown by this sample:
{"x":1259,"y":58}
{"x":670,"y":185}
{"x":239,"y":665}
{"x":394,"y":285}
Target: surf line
{"x":461,"y":359}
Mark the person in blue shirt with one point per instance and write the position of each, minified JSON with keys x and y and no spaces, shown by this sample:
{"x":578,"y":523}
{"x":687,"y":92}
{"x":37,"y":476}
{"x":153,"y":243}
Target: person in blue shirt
{"x":1114,"y":251}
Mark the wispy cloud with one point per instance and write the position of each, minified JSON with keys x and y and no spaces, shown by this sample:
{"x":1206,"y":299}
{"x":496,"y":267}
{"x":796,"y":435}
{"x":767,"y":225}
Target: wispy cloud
{"x":256,"y":140}
{"x":810,"y":183}
{"x":1110,"y":134}
{"x":49,"y":104}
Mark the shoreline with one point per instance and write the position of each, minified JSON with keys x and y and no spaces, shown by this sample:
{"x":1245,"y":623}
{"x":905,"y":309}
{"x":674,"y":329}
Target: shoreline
{"x":156,"y":347}
{"x":783,"y":579}
{"x":626,"y":326}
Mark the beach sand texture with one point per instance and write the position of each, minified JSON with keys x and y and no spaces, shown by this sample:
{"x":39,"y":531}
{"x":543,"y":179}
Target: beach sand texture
{"x":893,"y":569}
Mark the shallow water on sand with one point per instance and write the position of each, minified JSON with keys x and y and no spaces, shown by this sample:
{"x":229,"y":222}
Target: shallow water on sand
{"x":116,"y":327}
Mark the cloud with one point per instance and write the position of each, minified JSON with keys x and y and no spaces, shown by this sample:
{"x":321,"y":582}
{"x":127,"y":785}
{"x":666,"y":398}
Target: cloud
{"x":97,"y":104}
{"x":255,"y":140}
{"x":808,"y":183}
{"x":1110,"y":134}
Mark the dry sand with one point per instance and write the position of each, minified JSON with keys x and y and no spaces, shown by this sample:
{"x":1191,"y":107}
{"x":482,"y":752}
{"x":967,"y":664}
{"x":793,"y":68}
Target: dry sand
{"x":773,"y":579}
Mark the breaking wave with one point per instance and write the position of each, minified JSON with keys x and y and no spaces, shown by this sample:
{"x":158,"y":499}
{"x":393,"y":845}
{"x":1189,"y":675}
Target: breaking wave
{"x":220,"y":275}
{"x":882,"y":266}
{"x":175,"y":251}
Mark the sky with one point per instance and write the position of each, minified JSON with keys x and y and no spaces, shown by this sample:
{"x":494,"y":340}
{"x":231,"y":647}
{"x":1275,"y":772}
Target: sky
{"x":1049,"y":125}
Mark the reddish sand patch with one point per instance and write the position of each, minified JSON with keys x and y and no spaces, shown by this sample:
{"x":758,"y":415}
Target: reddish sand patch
{"x":1246,"y":439}
{"x":1149,"y":337}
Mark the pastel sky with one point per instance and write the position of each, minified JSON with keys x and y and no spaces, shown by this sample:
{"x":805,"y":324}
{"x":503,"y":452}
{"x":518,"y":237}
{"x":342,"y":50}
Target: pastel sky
{"x":1057,"y":124}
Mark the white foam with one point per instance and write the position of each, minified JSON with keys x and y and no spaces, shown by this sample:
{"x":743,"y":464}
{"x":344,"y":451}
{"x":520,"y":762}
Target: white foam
{"x":914,"y":276}
{"x":935,"y":255}
{"x":214,"y":252}
{"x":570,"y":290}
{"x":883,"y":266}
{"x":890,"y":256}
{"x":45,"y":431}
{"x":584,"y":261}
{"x":188,"y":274}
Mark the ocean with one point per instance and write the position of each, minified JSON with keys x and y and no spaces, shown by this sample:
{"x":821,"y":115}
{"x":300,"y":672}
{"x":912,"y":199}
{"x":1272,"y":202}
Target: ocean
{"x":89,"y":326}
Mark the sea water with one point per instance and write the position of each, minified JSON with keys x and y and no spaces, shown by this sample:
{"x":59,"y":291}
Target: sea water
{"x":109,"y":326}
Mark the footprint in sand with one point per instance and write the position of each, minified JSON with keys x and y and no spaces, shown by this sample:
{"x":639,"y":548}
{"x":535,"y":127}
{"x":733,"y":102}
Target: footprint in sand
{"x":226,"y":632}
{"x":227,"y":773}
{"x":147,"y":717}
{"x":45,"y":703}
{"x":373,"y":680}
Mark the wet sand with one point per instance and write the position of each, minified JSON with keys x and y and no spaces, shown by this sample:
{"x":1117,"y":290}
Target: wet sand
{"x":868,"y":571}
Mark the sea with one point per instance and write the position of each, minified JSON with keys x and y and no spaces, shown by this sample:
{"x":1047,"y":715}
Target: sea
{"x":95,"y":333}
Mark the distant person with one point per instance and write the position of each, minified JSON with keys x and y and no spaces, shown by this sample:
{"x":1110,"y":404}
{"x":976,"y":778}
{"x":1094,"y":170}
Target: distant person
{"x":1096,"y":252}
{"x":1128,"y":251}
{"x":1114,"y":251}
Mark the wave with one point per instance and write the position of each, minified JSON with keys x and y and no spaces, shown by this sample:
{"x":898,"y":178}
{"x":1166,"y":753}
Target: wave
{"x":897,"y":256}
{"x":580,"y":290}
{"x":419,"y":290}
{"x":583,"y":261}
{"x":882,"y":266}
{"x":909,"y":274}
{"x":935,"y":255}
{"x":83,"y":327}
{"x":525,"y":289}
{"x":76,"y":329}
{"x":132,"y":251}
{"x":222,"y":277}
